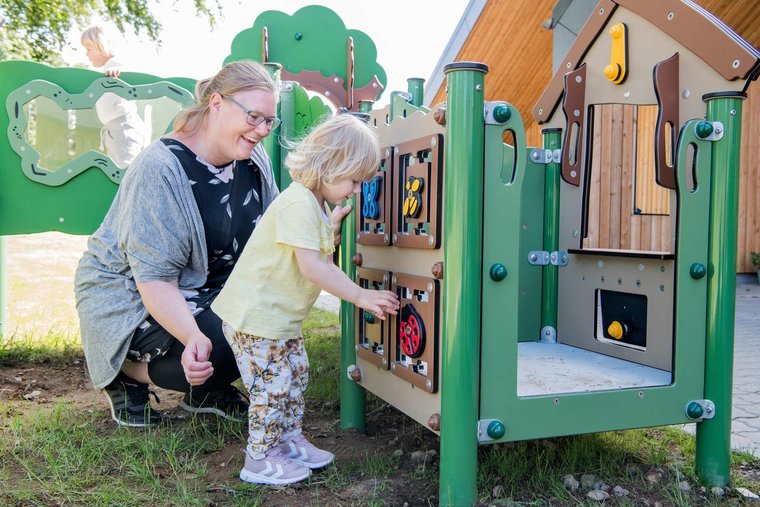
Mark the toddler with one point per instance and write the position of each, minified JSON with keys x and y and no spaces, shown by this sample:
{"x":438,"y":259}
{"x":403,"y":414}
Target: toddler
{"x":279,"y":275}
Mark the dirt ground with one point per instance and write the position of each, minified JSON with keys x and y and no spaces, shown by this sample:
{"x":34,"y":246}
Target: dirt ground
{"x":29,"y":387}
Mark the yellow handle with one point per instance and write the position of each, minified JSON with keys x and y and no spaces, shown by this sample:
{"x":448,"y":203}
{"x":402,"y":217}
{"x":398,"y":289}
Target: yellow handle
{"x":616,"y":330}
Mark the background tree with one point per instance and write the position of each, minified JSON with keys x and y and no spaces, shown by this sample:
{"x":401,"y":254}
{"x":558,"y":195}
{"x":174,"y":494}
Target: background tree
{"x":38,"y":29}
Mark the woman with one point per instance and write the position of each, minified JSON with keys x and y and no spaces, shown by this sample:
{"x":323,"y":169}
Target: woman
{"x":182,"y":215}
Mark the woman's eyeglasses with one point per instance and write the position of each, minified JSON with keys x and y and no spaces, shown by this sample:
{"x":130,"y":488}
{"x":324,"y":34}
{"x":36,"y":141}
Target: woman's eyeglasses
{"x":253,"y":118}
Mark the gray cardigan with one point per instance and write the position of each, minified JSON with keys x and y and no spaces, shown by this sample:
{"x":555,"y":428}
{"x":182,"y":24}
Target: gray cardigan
{"x":153,"y":231}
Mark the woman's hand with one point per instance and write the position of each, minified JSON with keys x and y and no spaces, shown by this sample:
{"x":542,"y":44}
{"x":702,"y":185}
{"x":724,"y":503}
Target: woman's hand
{"x":336,"y":219}
{"x":195,"y":361}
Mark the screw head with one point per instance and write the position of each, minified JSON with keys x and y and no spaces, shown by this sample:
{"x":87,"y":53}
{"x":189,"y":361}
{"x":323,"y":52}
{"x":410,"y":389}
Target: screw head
{"x":697,"y":271}
{"x":498,"y":272}
{"x":496,"y":430}
{"x":704,"y":129}
{"x":694,"y":410}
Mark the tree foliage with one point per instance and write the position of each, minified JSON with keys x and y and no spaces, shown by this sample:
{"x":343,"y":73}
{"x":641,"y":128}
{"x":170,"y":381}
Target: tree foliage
{"x":37,"y":29}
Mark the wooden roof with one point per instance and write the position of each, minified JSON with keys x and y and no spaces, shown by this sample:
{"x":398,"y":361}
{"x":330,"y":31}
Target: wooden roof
{"x":509,"y":37}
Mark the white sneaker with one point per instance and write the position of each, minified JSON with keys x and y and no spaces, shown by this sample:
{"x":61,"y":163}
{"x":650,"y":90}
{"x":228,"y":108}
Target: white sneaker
{"x":304,"y":453}
{"x":274,"y":468}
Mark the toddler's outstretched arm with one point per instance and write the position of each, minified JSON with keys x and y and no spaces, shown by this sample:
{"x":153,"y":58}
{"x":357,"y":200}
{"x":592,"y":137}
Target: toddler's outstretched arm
{"x":327,"y":276}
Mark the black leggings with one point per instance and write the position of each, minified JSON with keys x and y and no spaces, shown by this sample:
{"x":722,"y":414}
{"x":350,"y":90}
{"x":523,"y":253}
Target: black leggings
{"x":163,"y":353}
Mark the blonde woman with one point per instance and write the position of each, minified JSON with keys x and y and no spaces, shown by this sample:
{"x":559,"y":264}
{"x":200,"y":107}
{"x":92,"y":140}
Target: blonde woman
{"x":124,"y":133}
{"x":274,"y":285}
{"x":180,"y":220}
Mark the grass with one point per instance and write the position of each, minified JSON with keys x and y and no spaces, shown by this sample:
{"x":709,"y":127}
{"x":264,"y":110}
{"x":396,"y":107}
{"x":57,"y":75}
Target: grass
{"x":61,"y":455}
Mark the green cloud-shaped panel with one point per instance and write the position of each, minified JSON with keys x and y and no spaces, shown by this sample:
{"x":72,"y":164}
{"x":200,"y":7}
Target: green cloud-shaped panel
{"x":313,"y":38}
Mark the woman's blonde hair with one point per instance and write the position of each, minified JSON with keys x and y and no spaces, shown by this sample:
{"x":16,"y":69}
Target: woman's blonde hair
{"x":234,"y":77}
{"x":101,"y":39}
{"x":340,"y":147}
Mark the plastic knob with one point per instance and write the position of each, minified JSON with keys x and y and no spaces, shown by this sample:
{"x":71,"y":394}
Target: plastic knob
{"x":616,"y":330}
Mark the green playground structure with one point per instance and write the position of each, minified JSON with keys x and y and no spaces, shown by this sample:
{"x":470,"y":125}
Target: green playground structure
{"x":514,"y":325}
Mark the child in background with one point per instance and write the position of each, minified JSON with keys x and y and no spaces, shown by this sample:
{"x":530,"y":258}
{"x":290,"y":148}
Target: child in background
{"x":277,"y":279}
{"x":124,"y":133}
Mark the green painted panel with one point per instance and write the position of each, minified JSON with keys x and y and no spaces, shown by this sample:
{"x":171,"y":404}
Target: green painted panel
{"x":313,"y":38}
{"x":51,"y":134}
{"x":503,"y":314}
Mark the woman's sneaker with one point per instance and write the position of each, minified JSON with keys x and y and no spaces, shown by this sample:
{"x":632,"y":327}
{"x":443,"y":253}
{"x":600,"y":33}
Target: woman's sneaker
{"x":304,"y":453}
{"x":228,"y":403}
{"x":129,"y":401}
{"x":274,"y":468}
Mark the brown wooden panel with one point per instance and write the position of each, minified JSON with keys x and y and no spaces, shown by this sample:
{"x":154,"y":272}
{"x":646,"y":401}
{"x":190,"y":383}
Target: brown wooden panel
{"x":622,"y":161}
{"x":421,"y":294}
{"x":372,"y":334}
{"x":421,"y":161}
{"x":375,"y":229}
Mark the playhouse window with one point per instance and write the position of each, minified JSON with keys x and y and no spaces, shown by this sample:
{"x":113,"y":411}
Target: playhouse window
{"x":624,"y":207}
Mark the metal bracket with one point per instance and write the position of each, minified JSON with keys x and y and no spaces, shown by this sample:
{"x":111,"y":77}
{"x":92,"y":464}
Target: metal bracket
{"x":538,"y":258}
{"x":541,"y":156}
{"x":548,"y":335}
{"x":558,"y":258}
{"x":483,"y":426}
{"x":541,"y":258}
{"x":717,"y":131}
{"x":700,"y":409}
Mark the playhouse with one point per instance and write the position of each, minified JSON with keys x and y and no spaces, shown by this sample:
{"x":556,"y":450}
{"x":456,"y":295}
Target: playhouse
{"x":517,"y":321}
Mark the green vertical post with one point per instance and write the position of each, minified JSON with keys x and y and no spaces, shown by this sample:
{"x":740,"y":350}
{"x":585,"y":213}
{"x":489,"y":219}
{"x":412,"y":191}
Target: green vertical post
{"x":365,"y":106}
{"x":462,"y":254}
{"x":549,"y":284}
{"x":714,"y":435}
{"x":353,"y":397}
{"x":415,"y":87}
{"x":286,"y":109}
{"x":271,"y":142}
{"x":2,"y":287}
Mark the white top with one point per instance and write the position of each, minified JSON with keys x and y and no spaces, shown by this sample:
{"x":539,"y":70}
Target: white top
{"x":111,"y":106}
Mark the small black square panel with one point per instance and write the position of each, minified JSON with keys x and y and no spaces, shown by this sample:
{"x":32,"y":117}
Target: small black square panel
{"x":621,"y":318}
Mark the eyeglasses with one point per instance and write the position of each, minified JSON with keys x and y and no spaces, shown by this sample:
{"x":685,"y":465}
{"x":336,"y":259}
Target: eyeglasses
{"x":253,"y":118}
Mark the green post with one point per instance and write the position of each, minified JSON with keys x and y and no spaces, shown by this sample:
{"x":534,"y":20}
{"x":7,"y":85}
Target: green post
{"x":463,"y":270}
{"x":552,"y":141}
{"x":714,"y":435}
{"x":352,"y":396}
{"x":415,"y":87}
{"x":2,"y":287}
{"x":271,"y":142}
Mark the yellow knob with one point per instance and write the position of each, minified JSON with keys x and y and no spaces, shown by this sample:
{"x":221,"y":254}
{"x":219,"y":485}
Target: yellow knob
{"x":616,"y":330}
{"x":617,"y":31}
{"x":612,"y":71}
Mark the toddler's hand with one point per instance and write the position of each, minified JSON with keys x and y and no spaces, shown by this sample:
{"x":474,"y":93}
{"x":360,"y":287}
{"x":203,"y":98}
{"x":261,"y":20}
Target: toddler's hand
{"x":336,"y":219}
{"x":113,"y":73}
{"x":379,"y":302}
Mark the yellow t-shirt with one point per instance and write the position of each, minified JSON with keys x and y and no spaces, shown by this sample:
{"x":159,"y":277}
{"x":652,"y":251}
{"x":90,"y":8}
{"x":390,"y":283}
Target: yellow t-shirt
{"x":266,"y":294}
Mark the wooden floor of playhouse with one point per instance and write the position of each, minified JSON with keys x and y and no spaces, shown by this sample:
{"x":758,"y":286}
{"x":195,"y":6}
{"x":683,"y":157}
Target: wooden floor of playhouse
{"x":554,"y":368}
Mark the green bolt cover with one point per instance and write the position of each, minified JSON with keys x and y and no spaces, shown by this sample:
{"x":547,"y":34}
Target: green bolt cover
{"x":704,"y":129}
{"x":299,"y":36}
{"x":502,"y":113}
{"x":496,"y":430}
{"x":697,"y":271}
{"x":694,"y":410}
{"x":497,"y":272}
{"x":369,"y":318}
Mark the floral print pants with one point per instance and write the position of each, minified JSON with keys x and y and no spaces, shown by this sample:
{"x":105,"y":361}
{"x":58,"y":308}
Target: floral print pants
{"x":276,"y":373}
